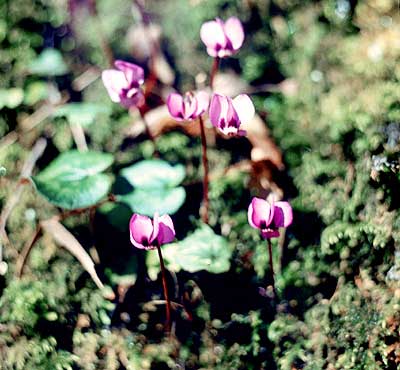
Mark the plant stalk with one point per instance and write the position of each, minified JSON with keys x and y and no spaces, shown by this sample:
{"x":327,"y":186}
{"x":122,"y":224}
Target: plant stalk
{"x":166,"y":296}
{"x":205,"y":169}
{"x":271,"y":266}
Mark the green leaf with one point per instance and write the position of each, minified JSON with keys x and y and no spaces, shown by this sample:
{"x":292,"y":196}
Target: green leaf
{"x":81,"y":113}
{"x":82,"y":193}
{"x":75,"y":165}
{"x":155,"y":187}
{"x":49,"y":63}
{"x":11,"y":98}
{"x":202,"y":250}
{"x":3,"y":171}
{"x":149,"y":201}
{"x":154,"y":173}
{"x":73,"y":180}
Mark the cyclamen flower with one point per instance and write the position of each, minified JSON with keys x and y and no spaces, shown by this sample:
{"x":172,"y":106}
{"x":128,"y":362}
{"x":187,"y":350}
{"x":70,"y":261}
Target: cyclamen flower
{"x":228,"y":114}
{"x":268,"y":217}
{"x":187,"y":107}
{"x":146,"y":233}
{"x":222,"y":39}
{"x":123,"y":84}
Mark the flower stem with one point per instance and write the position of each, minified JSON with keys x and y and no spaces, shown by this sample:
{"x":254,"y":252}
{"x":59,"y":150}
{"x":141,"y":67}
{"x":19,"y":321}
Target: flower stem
{"x":205,"y":169}
{"x":214,"y":70}
{"x":271,"y":266}
{"x":164,"y":282}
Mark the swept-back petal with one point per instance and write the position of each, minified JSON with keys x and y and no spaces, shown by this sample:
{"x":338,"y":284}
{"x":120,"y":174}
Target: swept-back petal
{"x":190,"y":107}
{"x":213,"y":36}
{"x":283,"y":214}
{"x":231,"y":115}
{"x":218,"y":109}
{"x":215,"y":109}
{"x":203,"y":101}
{"x":134,"y":73}
{"x":175,"y":106}
{"x":134,"y":98}
{"x":141,"y":231}
{"x":234,"y":32}
{"x":244,"y":108}
{"x":260,"y":213}
{"x":114,"y":81}
{"x":166,"y":230}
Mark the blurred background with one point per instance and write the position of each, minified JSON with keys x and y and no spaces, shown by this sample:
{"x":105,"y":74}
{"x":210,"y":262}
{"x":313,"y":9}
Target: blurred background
{"x":324,"y":76}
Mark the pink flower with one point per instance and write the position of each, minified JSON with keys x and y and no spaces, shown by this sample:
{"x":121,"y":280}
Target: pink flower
{"x":123,"y":84}
{"x":222,"y":39}
{"x":187,"y":107}
{"x":268,"y":217}
{"x":146,"y":233}
{"x":227,"y":114}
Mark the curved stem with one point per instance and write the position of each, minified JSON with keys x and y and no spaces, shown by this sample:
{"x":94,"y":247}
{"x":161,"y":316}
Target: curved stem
{"x":214,"y":70}
{"x":205,"y":169}
{"x":164,"y":282}
{"x":271,"y":266}
{"x":21,"y":261}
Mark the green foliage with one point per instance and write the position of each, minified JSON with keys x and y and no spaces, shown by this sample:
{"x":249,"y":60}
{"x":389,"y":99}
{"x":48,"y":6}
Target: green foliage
{"x":73,"y":180}
{"x":155,"y":187}
{"x":202,"y":250}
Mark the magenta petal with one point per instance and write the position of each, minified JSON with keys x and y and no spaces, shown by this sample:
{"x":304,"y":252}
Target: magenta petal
{"x":213,"y":36}
{"x":141,"y":230}
{"x":190,"y":108}
{"x":260,"y":213}
{"x":166,"y":232}
{"x":244,"y":108}
{"x":175,"y":106}
{"x":134,"y":74}
{"x":203,"y":101}
{"x":216,"y":109}
{"x":234,"y":32}
{"x":114,"y":81}
{"x":232,"y":117}
{"x":283,"y":214}
{"x":137,"y":99}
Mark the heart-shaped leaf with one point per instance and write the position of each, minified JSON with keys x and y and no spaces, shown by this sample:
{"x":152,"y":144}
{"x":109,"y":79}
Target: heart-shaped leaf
{"x":155,"y":187}
{"x":83,"y":114}
{"x":202,"y":250}
{"x":75,"y":194}
{"x":49,"y":63}
{"x":73,"y":180}
{"x":75,"y":165}
{"x":154,"y":173}
{"x":149,"y":201}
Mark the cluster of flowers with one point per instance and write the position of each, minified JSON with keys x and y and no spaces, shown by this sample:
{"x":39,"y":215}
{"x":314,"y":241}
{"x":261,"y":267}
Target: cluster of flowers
{"x":124,"y":86}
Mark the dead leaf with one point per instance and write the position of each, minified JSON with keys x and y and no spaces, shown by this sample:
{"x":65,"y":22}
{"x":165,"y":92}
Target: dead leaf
{"x":64,"y":238}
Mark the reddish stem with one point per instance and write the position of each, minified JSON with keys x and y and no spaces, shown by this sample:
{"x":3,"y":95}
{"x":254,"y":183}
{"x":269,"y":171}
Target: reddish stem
{"x":214,"y":70}
{"x":164,"y":282}
{"x":271,"y":266}
{"x":205,"y":169}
